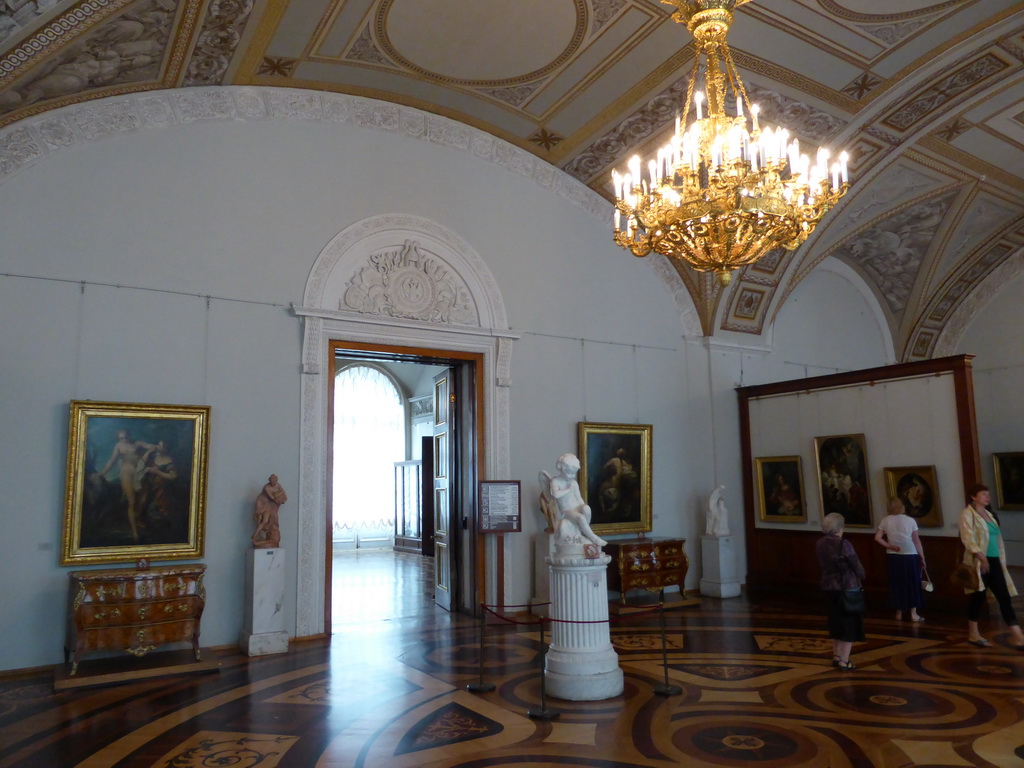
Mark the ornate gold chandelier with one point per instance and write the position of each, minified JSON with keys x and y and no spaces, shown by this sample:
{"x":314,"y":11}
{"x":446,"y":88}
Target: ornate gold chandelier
{"x":719,"y":196}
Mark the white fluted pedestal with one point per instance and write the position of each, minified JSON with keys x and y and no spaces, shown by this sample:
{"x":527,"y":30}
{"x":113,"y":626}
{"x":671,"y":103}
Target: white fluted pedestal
{"x":581,"y":664}
{"x":264,"y":632}
{"x":719,"y":578}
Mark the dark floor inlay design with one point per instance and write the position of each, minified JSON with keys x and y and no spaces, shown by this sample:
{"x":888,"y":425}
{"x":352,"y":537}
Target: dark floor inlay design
{"x":726,"y":671}
{"x":744,"y":743}
{"x":448,"y":725}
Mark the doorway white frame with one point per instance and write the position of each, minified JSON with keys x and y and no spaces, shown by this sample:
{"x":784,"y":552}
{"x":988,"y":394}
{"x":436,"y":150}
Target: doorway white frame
{"x":438,"y":263}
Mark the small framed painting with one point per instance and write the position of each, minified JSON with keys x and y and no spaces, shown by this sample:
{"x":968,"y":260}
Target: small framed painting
{"x":780,"y":483}
{"x":918,"y":489}
{"x":1009,"y":480}
{"x":615,"y":476}
{"x":136,"y":482}
{"x":843,"y":478}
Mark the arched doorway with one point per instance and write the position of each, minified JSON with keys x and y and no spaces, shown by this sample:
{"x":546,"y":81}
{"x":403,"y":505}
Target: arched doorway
{"x":404,"y":286}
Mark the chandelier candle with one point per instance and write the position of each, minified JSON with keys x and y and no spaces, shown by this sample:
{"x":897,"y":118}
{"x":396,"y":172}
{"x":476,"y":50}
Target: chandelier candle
{"x":721,"y":195}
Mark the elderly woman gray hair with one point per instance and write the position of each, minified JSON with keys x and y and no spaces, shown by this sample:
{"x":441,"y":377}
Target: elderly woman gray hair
{"x":832,"y":524}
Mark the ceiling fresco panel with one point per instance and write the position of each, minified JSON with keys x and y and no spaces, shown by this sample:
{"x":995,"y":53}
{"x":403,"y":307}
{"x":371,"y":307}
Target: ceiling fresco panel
{"x":926,"y":95}
{"x":891,"y":251}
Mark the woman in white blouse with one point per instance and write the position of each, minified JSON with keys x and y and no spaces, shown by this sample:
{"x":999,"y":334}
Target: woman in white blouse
{"x":897,"y":532}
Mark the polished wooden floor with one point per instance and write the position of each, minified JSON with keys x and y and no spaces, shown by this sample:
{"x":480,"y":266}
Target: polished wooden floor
{"x":389,"y":689}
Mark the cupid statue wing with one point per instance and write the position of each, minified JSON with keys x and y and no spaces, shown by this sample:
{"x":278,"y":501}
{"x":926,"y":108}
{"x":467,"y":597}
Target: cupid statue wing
{"x":547,"y":504}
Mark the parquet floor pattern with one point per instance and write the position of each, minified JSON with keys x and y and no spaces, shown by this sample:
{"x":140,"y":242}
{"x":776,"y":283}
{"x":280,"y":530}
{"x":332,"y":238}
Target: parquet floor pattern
{"x":757,"y":689}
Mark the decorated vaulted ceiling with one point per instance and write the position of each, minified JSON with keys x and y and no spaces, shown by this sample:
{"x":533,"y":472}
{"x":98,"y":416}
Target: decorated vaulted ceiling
{"x":927,"y":96}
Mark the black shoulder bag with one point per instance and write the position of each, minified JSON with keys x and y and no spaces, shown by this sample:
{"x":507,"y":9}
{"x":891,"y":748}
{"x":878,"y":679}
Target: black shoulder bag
{"x":852,"y":599}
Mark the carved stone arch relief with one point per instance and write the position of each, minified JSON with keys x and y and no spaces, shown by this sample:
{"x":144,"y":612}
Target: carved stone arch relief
{"x":394,"y":280}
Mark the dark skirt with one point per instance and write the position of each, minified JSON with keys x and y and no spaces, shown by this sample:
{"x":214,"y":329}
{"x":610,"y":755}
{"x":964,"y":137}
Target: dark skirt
{"x":904,"y":582}
{"x":848,"y":627}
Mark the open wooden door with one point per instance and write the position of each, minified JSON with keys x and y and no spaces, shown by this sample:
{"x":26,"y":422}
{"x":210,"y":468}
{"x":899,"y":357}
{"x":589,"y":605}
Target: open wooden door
{"x":445,"y":484}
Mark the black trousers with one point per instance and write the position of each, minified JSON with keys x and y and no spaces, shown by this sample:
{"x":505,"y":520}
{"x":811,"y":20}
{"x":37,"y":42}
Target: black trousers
{"x":995,"y":581}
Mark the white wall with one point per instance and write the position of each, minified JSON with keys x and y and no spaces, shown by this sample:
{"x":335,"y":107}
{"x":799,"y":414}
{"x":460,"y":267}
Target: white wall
{"x":995,"y":338}
{"x":153,"y":221}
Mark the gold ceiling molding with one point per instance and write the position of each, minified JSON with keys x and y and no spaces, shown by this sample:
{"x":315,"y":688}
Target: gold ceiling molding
{"x":839,"y":11}
{"x":972,"y":163}
{"x":795,"y":80}
{"x":953,"y":85}
{"x":384,"y":41}
{"x":672,"y":67}
{"x":937,"y":53}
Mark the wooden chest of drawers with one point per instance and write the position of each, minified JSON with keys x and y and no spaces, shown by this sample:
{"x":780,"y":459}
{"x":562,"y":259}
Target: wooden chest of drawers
{"x":648,"y":563}
{"x":133,"y":611}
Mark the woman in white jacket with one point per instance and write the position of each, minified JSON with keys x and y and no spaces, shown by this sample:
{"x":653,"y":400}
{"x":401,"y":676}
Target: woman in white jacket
{"x":985,"y":551}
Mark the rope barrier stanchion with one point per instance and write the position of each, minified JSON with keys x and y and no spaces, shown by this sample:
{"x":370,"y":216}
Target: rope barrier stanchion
{"x":543,"y":713}
{"x":480,"y":686}
{"x":665,"y":689}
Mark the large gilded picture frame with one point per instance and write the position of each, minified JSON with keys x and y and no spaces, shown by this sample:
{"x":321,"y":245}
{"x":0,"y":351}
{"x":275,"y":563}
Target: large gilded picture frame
{"x":136,"y":482}
{"x":843,"y":478}
{"x":615,"y":476}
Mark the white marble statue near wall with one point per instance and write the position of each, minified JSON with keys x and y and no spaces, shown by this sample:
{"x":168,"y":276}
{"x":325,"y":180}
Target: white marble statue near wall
{"x":717,"y":514}
{"x":567,"y":515}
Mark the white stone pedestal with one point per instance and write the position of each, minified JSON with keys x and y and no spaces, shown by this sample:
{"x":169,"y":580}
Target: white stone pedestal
{"x":581,"y":664}
{"x":264,"y":631}
{"x":718,"y":554}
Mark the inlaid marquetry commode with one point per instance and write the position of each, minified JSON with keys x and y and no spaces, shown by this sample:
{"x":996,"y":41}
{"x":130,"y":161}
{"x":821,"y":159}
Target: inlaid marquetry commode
{"x":135,"y":611}
{"x":646,"y":563}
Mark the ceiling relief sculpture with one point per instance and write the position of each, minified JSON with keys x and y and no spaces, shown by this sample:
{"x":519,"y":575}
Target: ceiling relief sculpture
{"x":928,"y":97}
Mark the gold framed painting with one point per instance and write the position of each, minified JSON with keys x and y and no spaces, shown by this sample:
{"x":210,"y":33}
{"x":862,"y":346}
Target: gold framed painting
{"x":1009,"y":468}
{"x":918,"y":489}
{"x":843,"y":478}
{"x":780,"y":482}
{"x":136,"y":482}
{"x":615,"y":476}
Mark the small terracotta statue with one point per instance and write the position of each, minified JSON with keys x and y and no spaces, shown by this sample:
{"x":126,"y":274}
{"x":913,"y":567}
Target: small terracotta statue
{"x":268,"y":530}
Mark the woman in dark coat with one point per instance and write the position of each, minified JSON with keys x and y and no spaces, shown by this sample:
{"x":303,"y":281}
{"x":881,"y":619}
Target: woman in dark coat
{"x":840,"y":570}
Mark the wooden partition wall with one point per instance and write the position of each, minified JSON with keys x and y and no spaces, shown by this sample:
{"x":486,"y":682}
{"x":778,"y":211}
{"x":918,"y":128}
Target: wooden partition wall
{"x":781,"y":561}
